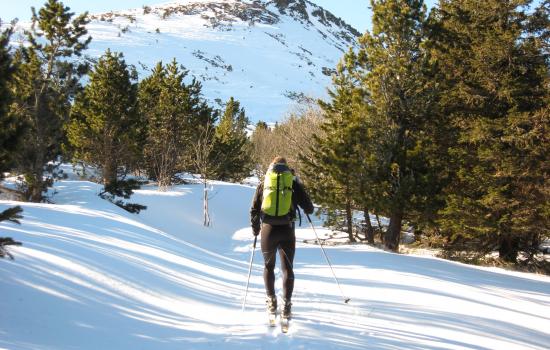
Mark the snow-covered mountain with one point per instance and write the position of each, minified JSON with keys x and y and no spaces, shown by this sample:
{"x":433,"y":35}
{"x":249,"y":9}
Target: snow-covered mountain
{"x":267,"y":54}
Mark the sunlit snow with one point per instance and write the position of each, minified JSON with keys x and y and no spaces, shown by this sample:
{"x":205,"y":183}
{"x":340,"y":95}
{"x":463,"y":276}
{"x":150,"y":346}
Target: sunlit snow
{"x":92,"y":276}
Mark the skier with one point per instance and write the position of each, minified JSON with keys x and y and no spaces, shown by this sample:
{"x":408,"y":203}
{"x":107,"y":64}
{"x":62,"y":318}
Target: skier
{"x":272,"y":214}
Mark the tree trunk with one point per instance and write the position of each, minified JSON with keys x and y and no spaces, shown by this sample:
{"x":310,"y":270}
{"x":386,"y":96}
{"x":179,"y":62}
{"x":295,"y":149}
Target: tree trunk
{"x":535,"y":240}
{"x":370,"y":229}
{"x":380,"y":228}
{"x":35,"y":188}
{"x":393,"y":234}
{"x":35,"y":175}
{"x":35,"y":179}
{"x":205,"y":206}
{"x":508,"y":247}
{"x":349,"y":221}
{"x":163,"y":178}
{"x":109,"y":173}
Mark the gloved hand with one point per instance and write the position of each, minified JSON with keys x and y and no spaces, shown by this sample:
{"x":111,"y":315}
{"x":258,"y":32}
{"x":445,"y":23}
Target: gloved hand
{"x":256,"y":230}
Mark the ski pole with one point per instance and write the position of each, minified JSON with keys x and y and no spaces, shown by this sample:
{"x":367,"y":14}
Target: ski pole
{"x":346,"y":300}
{"x":249,"y":271}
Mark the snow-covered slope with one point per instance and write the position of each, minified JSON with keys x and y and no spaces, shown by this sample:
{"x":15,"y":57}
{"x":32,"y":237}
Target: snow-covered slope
{"x":267,"y":54}
{"x":91,"y":276}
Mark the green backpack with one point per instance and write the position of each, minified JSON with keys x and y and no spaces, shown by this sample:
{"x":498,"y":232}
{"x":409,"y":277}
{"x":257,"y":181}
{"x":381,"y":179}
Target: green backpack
{"x":277,"y":197}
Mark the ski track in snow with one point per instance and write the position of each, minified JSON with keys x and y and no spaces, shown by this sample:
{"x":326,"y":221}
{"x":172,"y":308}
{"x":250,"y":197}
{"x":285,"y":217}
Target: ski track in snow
{"x":92,"y":276}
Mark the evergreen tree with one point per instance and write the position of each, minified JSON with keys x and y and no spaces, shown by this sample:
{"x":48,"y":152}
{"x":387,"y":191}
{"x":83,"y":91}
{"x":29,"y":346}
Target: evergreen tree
{"x":6,"y":69}
{"x":175,"y":114}
{"x":391,"y":68}
{"x":104,"y":123}
{"x":232,"y":146}
{"x":46,"y":81}
{"x":9,"y":133}
{"x":261,"y":125}
{"x":9,"y":128}
{"x":199,"y":128}
{"x":164,"y":102}
{"x":539,"y":26}
{"x":496,"y":88}
{"x":332,"y":170}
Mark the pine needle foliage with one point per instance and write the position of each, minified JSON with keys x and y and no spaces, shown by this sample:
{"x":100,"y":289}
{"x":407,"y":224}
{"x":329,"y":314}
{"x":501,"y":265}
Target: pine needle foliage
{"x":10,"y":128}
{"x":174,"y":113}
{"x":232,"y":150}
{"x":104,"y":124}
{"x":9,"y":133}
{"x":495,"y":68}
{"x":377,"y":144}
{"x":48,"y":76}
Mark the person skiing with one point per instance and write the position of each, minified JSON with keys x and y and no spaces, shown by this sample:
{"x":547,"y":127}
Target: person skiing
{"x":272,"y":215}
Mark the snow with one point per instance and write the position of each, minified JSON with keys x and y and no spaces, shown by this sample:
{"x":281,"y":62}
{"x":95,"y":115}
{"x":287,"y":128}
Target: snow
{"x":259,"y":64}
{"x":92,"y":276}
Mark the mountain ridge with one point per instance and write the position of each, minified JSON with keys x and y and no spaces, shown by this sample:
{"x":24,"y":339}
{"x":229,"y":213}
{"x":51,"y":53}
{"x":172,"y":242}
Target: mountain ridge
{"x":267,"y":54}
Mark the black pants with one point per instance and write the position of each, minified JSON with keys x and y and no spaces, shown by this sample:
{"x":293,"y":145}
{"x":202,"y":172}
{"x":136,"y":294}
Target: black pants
{"x":283,"y":239}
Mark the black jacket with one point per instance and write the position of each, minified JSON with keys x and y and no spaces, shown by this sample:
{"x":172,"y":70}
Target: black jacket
{"x":299,"y":198}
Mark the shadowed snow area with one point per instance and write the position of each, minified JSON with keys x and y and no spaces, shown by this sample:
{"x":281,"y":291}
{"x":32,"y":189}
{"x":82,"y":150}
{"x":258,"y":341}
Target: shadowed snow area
{"x":92,"y":276}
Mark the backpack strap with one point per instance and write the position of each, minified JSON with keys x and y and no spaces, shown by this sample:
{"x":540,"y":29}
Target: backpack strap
{"x":277,"y":195}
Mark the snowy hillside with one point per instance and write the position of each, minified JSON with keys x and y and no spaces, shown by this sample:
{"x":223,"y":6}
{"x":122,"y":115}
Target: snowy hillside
{"x":91,"y":276}
{"x":267,"y":54}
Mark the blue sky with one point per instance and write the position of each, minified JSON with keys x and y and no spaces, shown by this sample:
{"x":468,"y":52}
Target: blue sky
{"x":354,"y":12}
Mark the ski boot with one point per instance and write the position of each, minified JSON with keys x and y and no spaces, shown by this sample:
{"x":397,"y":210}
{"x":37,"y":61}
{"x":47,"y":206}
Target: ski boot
{"x":286,"y":314}
{"x":271,"y":303}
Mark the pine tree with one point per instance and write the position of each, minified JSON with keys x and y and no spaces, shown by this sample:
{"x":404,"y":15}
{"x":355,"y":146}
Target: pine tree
{"x":164,"y":102}
{"x":391,"y":68}
{"x":232,"y":150}
{"x":180,"y":127}
{"x":9,"y":133}
{"x":9,"y":128}
{"x":495,"y":76}
{"x":369,"y":163}
{"x":199,"y":127}
{"x":261,"y":125}
{"x":6,"y":69}
{"x":331,"y":172}
{"x":46,"y":81}
{"x":104,"y":120}
{"x":175,"y":114}
{"x":539,"y":25}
